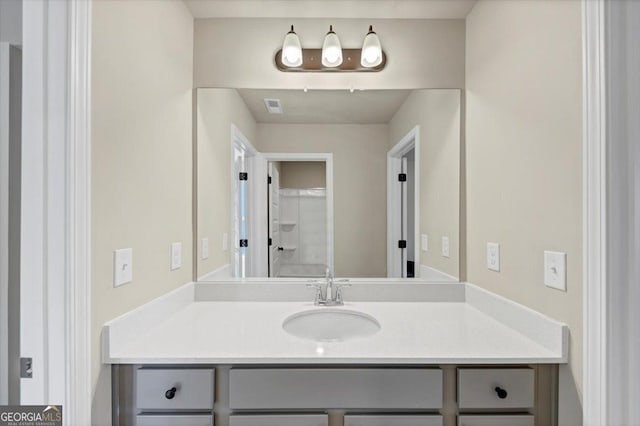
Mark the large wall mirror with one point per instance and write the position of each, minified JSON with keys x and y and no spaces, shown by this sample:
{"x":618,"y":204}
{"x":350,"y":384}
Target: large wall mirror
{"x":294,"y":183}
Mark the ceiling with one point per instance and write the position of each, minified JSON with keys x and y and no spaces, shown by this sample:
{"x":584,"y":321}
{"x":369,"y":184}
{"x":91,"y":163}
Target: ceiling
{"x":326,"y":106}
{"x":378,"y":9}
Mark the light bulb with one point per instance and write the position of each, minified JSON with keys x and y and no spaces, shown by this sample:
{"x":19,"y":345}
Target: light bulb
{"x":291,"y":50}
{"x":331,"y":49}
{"x":371,"y":50}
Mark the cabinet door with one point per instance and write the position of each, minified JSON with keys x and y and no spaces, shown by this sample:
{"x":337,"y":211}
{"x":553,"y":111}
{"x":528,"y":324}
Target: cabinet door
{"x":174,"y":420}
{"x":193,"y":389}
{"x":378,"y":389}
{"x":496,"y":420}
{"x":392,"y":420}
{"x":279,"y":420}
{"x":495,"y":388}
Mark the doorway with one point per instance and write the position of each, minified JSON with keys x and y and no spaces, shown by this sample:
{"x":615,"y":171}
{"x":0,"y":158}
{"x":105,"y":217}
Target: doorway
{"x":403,"y":207}
{"x":300,"y":215}
{"x":248,"y":240}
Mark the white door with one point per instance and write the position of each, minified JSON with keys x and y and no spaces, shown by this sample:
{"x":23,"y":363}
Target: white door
{"x":275,"y":248}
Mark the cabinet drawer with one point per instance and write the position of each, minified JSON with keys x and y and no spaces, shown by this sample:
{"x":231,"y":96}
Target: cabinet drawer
{"x":496,"y":420}
{"x":395,"y":420}
{"x":335,"y":388}
{"x":193,"y":389}
{"x":279,"y":420}
{"x":174,"y":420}
{"x":496,"y":388}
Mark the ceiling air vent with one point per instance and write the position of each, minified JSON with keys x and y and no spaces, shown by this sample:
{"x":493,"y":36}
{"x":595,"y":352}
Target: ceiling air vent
{"x":273,"y":106}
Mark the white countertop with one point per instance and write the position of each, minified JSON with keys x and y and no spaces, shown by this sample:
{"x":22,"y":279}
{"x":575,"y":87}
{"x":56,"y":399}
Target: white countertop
{"x":250,"y":332}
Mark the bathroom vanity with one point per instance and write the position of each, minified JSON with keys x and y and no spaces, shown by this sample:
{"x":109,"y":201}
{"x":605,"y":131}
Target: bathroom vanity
{"x":444,"y":354}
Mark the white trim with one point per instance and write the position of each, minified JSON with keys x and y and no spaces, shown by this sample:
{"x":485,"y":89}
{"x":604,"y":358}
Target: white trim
{"x":595,"y":215}
{"x":238,"y":139}
{"x":78,"y":384}
{"x":327,"y":158}
{"x":56,"y":218}
{"x":410,"y":141}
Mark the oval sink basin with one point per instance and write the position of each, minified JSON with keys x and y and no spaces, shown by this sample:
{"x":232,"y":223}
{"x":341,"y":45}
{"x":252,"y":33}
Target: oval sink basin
{"x":331,"y":325}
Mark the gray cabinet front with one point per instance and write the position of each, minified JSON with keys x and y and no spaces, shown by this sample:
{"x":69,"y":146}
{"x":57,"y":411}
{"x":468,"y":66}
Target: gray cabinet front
{"x":252,"y":389}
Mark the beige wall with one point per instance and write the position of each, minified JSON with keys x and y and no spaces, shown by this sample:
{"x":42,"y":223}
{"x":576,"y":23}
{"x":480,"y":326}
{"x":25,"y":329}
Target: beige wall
{"x":360,"y":186}
{"x":218,"y":109}
{"x":303,"y":174}
{"x":524,"y":163}
{"x":141,"y":168}
{"x":240,"y":52}
{"x":437,"y":112}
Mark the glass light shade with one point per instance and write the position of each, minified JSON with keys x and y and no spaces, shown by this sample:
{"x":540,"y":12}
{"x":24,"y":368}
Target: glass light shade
{"x":331,"y":50}
{"x":371,"y":50}
{"x":291,"y":50}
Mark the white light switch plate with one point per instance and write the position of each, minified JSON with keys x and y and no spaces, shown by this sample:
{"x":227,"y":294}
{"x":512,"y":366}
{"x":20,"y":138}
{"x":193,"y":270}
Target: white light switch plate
{"x":122,"y":266}
{"x":225,"y":241}
{"x":176,"y":256}
{"x":445,"y":246}
{"x":204,"y":251}
{"x":424,"y":242}
{"x":493,"y":257}
{"x":555,"y":270}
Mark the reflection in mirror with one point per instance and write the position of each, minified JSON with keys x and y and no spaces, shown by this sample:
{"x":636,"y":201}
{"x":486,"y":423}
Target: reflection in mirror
{"x":291,"y":184}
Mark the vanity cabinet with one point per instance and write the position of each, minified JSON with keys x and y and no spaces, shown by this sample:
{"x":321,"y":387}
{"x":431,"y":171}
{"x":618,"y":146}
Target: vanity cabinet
{"x":174,"y":389}
{"x":279,"y":420}
{"x":174,"y":420}
{"x":496,"y":388}
{"x":392,"y":420}
{"x":496,"y":420}
{"x":445,"y":395}
{"x":313,"y":388}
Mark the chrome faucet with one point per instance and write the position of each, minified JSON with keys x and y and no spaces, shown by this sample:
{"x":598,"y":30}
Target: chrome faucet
{"x":332,"y":294}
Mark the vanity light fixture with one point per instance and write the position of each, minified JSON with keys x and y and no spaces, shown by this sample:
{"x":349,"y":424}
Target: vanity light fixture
{"x":371,"y":50}
{"x":331,"y":49}
{"x":291,"y":50}
{"x":331,"y":57}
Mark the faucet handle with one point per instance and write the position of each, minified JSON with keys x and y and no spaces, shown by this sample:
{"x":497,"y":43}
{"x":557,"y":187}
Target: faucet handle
{"x":339,"y":285}
{"x":315,"y":284}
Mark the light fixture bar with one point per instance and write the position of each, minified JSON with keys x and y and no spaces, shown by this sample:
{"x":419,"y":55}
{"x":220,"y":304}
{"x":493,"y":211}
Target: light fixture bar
{"x":312,"y":62}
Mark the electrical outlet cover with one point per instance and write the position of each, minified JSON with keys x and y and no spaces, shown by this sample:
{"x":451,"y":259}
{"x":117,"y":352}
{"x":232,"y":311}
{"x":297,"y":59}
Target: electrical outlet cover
{"x":122,"y":266}
{"x":176,"y":256}
{"x":424,"y":242}
{"x":204,"y":252}
{"x":555,"y":270}
{"x":493,"y":257}
{"x":445,"y":247}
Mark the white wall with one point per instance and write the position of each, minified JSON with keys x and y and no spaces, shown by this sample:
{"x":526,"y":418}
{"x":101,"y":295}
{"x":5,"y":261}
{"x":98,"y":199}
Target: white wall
{"x":217,"y":110}
{"x":438,"y":114}
{"x":142,"y":58}
{"x":524,"y":158}
{"x":240,"y":53}
{"x":360,"y":186}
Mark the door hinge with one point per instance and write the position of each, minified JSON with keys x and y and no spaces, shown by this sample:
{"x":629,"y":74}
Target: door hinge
{"x":243,"y":176}
{"x":402,"y":243}
{"x":402,"y":177}
{"x":268,"y":179}
{"x":244,"y":243}
{"x":270,"y":241}
{"x":26,"y":368}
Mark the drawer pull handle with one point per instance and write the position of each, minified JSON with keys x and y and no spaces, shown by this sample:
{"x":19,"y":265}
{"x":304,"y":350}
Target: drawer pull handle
{"x":170,"y":393}
{"x":502,"y":394}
